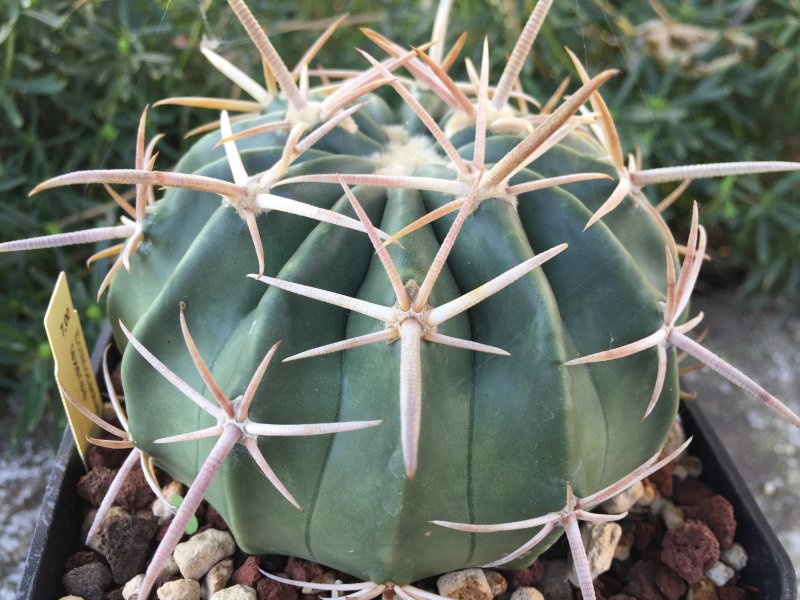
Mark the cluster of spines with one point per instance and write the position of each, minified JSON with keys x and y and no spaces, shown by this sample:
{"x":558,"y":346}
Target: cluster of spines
{"x":474,"y":182}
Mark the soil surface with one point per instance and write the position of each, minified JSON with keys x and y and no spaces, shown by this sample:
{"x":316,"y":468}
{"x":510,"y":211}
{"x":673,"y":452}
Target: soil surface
{"x":766,"y":451}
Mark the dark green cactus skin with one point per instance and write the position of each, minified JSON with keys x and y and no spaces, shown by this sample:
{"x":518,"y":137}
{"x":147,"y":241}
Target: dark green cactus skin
{"x":501,"y":436}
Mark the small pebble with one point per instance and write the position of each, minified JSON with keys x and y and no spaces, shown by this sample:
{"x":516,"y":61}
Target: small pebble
{"x":132,"y":587}
{"x":180,"y":589}
{"x":672,"y":515}
{"x":235,"y":592}
{"x":625,"y":500}
{"x":600,"y":541}
{"x":203,"y":550}
{"x":735,"y":557}
{"x":217,"y":578}
{"x":623,"y":551}
{"x":675,"y":438}
{"x":720,"y":573}
{"x":497,"y":582}
{"x":649,"y":494}
{"x":702,"y":590}
{"x":161,"y":510}
{"x":327,"y":577}
{"x":468,"y":584}
{"x":527,"y":593}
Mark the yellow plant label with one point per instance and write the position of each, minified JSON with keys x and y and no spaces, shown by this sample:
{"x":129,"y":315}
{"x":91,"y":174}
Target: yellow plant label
{"x":73,"y":369}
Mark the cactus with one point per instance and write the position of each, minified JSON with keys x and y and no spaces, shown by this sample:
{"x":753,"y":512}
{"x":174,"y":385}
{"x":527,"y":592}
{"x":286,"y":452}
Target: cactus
{"x":475,"y":292}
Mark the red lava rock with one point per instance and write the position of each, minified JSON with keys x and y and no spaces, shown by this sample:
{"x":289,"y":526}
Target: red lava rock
{"x":662,"y":478}
{"x":730,"y":592}
{"x":717,"y":513}
{"x":643,"y":534}
{"x":641,"y":581}
{"x":300,"y":569}
{"x":691,"y":491}
{"x":89,"y":581}
{"x":215,"y":520}
{"x":690,"y":549}
{"x":247,"y":574}
{"x":84,"y":557}
{"x":135,"y":492}
{"x":94,"y":485}
{"x":97,"y":456}
{"x":670,"y":585}
{"x":125,"y":541}
{"x":525,"y":577}
{"x":269,"y":589}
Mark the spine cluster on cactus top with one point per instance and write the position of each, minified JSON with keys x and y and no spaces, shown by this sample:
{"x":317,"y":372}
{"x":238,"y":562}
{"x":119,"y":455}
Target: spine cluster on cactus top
{"x":486,"y":159}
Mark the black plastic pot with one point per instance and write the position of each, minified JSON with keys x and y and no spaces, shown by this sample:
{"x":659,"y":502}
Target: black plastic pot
{"x":769,"y":572}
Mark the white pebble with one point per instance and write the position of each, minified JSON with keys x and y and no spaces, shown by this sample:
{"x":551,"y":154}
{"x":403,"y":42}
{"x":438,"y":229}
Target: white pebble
{"x":180,"y":589}
{"x":236,"y":592}
{"x":196,"y":557}
{"x":468,"y":583}
{"x":735,"y":557}
{"x":720,"y":573}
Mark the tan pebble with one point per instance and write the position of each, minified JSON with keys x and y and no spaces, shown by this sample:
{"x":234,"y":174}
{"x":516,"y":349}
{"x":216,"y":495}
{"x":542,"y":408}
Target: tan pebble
{"x":672,"y":515}
{"x":236,"y":592}
{"x":203,"y":550}
{"x":180,"y":589}
{"x":70,"y":598}
{"x":702,"y":590}
{"x":170,"y":568}
{"x":675,"y":438}
{"x":623,"y":551}
{"x":327,"y":577}
{"x":625,"y":500}
{"x":161,"y":510}
{"x":600,"y":541}
{"x":497,"y":582}
{"x":132,"y":588}
{"x":649,"y":494}
{"x":469,"y":584}
{"x":527,"y":593}
{"x":217,"y":578}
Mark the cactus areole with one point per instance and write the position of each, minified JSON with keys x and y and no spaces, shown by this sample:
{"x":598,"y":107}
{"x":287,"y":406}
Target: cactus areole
{"x":471,"y":293}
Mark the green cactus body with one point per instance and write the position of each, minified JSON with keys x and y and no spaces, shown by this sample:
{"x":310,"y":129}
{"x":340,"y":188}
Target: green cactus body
{"x":501,"y":436}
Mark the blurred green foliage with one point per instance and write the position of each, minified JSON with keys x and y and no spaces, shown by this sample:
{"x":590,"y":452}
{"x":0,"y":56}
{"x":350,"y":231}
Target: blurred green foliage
{"x":703,"y":81}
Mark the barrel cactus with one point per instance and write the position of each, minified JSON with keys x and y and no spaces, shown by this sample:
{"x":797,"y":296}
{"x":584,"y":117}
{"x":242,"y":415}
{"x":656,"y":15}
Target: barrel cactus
{"x":469,"y":290}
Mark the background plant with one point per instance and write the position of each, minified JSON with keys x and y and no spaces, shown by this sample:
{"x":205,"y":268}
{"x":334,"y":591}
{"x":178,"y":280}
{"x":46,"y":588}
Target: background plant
{"x":76,"y":74}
